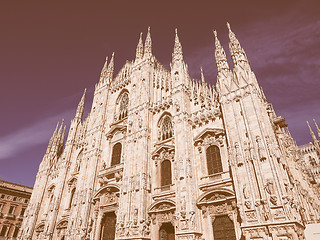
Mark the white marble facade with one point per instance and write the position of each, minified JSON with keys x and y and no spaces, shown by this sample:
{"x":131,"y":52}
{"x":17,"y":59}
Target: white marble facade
{"x":162,"y":156}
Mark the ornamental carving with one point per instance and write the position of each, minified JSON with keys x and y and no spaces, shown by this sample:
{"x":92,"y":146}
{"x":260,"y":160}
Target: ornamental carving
{"x":208,"y":137}
{"x":162,"y":211}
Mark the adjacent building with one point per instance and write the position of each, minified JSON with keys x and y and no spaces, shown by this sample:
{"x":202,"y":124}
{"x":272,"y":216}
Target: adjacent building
{"x":162,"y":156}
{"x":14,"y":199}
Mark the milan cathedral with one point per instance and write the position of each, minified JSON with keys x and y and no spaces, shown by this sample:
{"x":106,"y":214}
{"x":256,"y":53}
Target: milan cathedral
{"x":162,"y":156}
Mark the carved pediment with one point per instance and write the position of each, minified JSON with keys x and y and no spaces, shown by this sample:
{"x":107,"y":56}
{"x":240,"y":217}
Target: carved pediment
{"x":62,"y":224}
{"x":107,"y":195}
{"x":114,"y":129}
{"x":164,"y":152}
{"x":40,"y":227}
{"x":208,"y":136}
{"x":215,"y":196}
{"x":162,"y":206}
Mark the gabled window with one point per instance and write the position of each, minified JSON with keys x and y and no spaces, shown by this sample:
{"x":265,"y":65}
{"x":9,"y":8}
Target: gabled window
{"x":116,"y":154}
{"x":166,"y":175}
{"x":213,"y":160}
{"x":166,"y":128}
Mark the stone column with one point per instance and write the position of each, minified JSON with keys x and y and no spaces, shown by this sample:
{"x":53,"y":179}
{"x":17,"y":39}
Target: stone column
{"x":98,"y":226}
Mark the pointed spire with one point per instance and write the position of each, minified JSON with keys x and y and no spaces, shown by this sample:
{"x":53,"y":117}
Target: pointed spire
{"x":312,"y":133}
{"x":318,"y":130}
{"x":237,"y":53}
{"x":104,"y":69}
{"x":139,"y":50}
{"x":177,"y":54}
{"x":221,"y":58}
{"x":148,"y":45}
{"x":80,"y":108}
{"x":53,"y":137}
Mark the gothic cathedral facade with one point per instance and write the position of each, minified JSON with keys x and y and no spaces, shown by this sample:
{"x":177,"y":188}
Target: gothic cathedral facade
{"x":161,"y":156}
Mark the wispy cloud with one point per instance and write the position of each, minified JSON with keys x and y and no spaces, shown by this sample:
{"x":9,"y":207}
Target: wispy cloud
{"x":32,"y":135}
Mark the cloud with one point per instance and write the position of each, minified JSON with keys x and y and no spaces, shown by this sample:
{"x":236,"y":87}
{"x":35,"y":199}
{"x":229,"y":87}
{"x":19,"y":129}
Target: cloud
{"x":32,"y":135}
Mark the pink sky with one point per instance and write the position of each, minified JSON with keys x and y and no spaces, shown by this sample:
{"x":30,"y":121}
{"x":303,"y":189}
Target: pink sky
{"x":51,"y":51}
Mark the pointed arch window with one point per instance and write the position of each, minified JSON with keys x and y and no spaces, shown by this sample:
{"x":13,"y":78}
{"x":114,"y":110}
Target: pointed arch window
{"x":123,"y":106}
{"x":166,"y":128}
{"x":223,"y":228}
{"x":71,"y":197}
{"x":166,"y":175}
{"x":116,"y":154}
{"x":213,"y":160}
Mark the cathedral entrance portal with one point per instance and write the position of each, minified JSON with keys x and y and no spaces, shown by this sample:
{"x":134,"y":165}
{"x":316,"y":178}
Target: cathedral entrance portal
{"x":108,"y":226}
{"x":166,"y":232}
{"x":223,"y":228}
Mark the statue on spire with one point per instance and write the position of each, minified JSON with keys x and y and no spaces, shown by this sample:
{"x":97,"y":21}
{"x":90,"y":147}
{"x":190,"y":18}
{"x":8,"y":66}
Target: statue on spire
{"x":148,"y":45}
{"x":139,"y":50}
{"x":80,"y":108}
{"x":221,"y":58}
{"x":177,"y":54}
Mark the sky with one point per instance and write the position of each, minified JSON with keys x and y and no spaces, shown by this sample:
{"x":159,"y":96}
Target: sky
{"x":51,"y":50}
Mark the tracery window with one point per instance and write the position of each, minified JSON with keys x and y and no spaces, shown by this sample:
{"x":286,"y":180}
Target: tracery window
{"x":166,"y":175}
{"x":213,"y":160}
{"x":123,"y":106}
{"x":116,"y":154}
{"x":166,"y":128}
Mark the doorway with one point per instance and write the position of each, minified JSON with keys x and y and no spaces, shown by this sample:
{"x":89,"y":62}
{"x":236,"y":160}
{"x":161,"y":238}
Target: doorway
{"x":166,"y":232}
{"x":223,"y":228}
{"x":108,"y":226}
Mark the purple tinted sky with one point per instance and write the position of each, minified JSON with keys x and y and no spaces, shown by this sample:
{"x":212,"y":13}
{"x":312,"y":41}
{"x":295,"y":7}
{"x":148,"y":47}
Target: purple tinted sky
{"x":51,"y":51}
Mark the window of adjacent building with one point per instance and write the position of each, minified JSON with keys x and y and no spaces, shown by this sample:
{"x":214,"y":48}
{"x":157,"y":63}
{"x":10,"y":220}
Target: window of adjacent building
{"x":166,"y":176}
{"x":4,"y":230}
{"x":11,"y":210}
{"x":16,"y":231}
{"x":116,"y":154}
{"x":71,"y":197}
{"x":123,"y":108}
{"x":22,"y":211}
{"x":213,"y":160}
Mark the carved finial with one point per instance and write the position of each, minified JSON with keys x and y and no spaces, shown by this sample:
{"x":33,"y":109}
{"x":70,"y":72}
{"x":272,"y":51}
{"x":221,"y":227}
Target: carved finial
{"x":318,"y":130}
{"x":80,"y":108}
{"x":104,"y":69}
{"x":148,"y":45}
{"x":177,"y":54}
{"x":139,"y":50}
{"x":312,"y":133}
{"x":221,"y":58}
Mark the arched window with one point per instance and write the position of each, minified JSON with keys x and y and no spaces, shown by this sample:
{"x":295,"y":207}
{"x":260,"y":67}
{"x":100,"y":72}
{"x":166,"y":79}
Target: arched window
{"x":116,"y":154}
{"x":213,"y":160}
{"x":123,"y":108}
{"x":166,"y":128}
{"x":71,"y":197}
{"x":166,"y":176}
{"x":223,"y":228}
